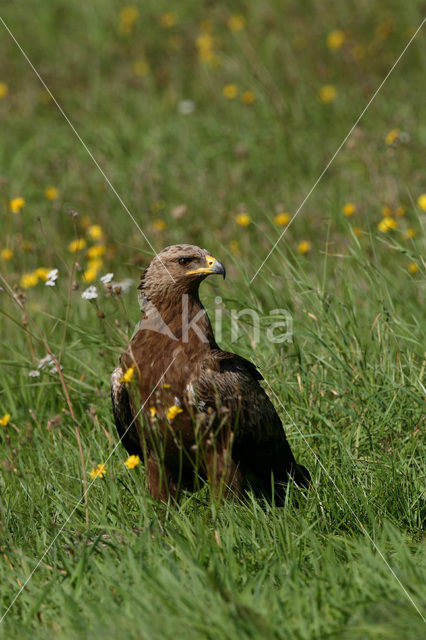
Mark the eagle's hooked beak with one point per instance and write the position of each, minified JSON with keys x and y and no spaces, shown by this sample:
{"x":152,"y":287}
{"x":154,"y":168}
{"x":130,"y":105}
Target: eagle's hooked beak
{"x":213,"y":266}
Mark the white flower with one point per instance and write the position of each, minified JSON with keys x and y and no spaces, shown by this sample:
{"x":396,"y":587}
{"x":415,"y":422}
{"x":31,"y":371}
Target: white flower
{"x":47,"y":361}
{"x":107,"y":278}
{"x":52,"y":275}
{"x":186,"y":107}
{"x":125,"y":285}
{"x":90,"y":293}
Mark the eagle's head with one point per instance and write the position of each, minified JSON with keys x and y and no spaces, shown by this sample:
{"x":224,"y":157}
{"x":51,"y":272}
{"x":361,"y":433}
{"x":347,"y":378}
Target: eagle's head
{"x":178,"y":269}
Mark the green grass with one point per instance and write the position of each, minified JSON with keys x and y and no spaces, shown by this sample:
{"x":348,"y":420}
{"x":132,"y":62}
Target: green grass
{"x":344,"y":560}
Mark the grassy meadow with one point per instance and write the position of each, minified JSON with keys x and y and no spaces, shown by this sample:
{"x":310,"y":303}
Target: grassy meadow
{"x":211,"y":123}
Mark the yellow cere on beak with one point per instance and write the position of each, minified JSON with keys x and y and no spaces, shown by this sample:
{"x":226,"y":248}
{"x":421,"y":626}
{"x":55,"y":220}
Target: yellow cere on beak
{"x":209,"y":269}
{"x":213,"y":266}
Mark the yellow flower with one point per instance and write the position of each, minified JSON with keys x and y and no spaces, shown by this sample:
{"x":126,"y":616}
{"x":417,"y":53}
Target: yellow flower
{"x":98,"y":472}
{"x":400,"y":211}
{"x":5,"y":420}
{"x":248,"y":97}
{"x":29,"y":280}
{"x":128,"y":17}
{"x":413,"y":268}
{"x":205,"y":47}
{"x":243,"y":219}
{"x":128,"y":375}
{"x":392,"y":136}
{"x":16,"y":204}
{"x":410,"y":233}
{"x":140,"y":68}
{"x":234,"y":247}
{"x":421,"y":201}
{"x":129,"y":14}
{"x":90,"y":274}
{"x":95,"y":263}
{"x":335,"y":39}
{"x":159,"y":225}
{"x":327,"y":93}
{"x":386,"y":211}
{"x":281,"y":219}
{"x":132,"y":462}
{"x":4,"y":89}
{"x":166,"y":386}
{"x":95,"y":231}
{"x":387,"y":224}
{"x":42,"y":272}
{"x":304,"y":246}
{"x":357,"y":231}
{"x":77,"y":245}
{"x":349,"y":209}
{"x":230,"y":91}
{"x":51,"y":193}
{"x":173,"y":411}
{"x":236,"y":23}
{"x":168,"y":20}
{"x":6,"y":254}
{"x":95,"y":252}
{"x":152,"y":412}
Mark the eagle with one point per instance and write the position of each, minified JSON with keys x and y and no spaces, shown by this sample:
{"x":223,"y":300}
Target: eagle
{"x":191,"y":411}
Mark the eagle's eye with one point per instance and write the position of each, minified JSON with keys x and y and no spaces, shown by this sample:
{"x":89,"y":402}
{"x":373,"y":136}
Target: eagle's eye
{"x":185,"y":260}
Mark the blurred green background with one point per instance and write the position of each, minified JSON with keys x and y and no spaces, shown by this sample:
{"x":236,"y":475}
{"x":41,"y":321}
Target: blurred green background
{"x":123,"y":77}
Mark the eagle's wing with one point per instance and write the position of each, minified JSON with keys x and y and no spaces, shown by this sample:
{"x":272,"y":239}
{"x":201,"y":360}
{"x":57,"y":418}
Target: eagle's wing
{"x":124,"y":414}
{"x":230,"y":381}
{"x":260,"y":444}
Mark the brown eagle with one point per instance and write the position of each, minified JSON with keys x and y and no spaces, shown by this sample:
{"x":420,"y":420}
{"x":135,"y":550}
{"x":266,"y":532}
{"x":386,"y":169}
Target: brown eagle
{"x":190,"y":410}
